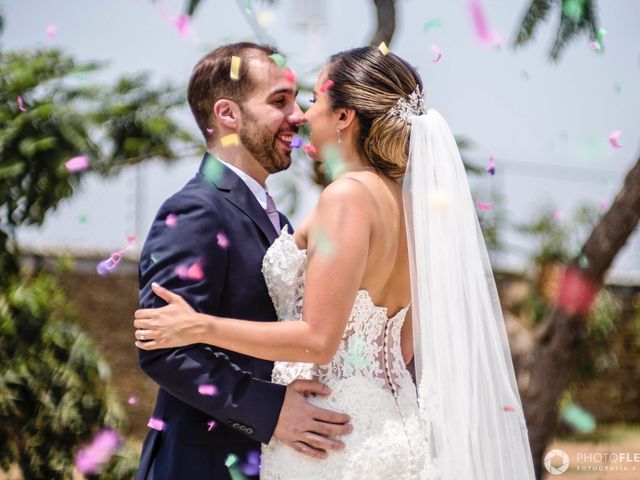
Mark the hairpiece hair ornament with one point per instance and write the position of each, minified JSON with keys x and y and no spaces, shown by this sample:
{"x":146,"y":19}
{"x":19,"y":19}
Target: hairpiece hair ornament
{"x":407,"y":107}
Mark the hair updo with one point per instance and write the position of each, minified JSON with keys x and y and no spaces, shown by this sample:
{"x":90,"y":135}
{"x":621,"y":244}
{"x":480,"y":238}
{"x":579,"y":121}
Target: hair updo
{"x":371,"y":83}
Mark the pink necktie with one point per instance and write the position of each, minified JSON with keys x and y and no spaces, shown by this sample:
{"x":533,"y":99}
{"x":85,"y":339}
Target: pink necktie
{"x":273,"y":213}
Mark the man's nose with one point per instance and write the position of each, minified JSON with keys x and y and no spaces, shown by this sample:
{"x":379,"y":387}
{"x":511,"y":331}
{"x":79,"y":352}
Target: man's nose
{"x":297,"y":116}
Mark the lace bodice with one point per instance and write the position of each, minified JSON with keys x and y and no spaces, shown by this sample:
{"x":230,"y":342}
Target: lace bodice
{"x":370,"y":346}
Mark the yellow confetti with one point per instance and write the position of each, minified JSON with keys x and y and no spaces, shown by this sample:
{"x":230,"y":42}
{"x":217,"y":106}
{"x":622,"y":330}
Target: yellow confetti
{"x":235,"y":68}
{"x":231,"y":139}
{"x":383,"y":48}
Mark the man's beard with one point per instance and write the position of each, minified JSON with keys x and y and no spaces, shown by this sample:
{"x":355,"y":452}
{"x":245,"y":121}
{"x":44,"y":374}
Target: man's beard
{"x":261,"y":144}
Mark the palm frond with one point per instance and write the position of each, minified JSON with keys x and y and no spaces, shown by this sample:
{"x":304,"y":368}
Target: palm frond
{"x":535,"y":15}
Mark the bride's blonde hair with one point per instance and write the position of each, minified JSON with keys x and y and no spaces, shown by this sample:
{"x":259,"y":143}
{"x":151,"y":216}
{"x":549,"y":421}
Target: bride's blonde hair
{"x":371,"y":83}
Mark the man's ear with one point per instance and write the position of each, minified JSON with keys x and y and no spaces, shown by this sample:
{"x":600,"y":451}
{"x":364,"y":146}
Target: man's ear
{"x":346,"y":118}
{"x":227,"y":113}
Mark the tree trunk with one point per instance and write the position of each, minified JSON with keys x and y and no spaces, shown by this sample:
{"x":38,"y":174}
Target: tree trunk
{"x":546,"y":361}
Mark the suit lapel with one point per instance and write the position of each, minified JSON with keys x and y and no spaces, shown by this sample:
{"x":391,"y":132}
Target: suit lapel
{"x":237,"y":193}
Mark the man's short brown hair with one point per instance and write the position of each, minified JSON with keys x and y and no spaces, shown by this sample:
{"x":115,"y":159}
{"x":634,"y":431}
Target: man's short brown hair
{"x":211,"y":80}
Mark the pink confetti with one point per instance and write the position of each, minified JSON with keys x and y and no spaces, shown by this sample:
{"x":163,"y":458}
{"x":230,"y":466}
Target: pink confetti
{"x":209,"y":390}
{"x":438,"y":53}
{"x":52,"y":31}
{"x":77,"y":164}
{"x":309,"y":149}
{"x":491,"y":167}
{"x":132,"y":400}
{"x":209,"y":131}
{"x":326,"y":86}
{"x":290,"y":76}
{"x":613,"y":139}
{"x":223,"y":241}
{"x":483,"y":32}
{"x":93,"y":458}
{"x":507,"y":408}
{"x":20,"y":102}
{"x":603,"y":204}
{"x":558,"y":215}
{"x":193,"y":272}
{"x":211,"y":424}
{"x":485,"y":207}
{"x":182,"y":24}
{"x":109,"y":265}
{"x":156,"y":424}
{"x":296,"y":142}
{"x":171,"y":220}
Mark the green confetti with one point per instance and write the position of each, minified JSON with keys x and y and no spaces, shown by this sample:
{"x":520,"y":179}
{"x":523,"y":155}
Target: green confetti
{"x":279,"y":59}
{"x":433,"y":24}
{"x":212,"y":170}
{"x":578,"y":418}
{"x":573,"y":9}
{"x":153,"y":258}
{"x":232,"y":463}
{"x":524,"y":74}
{"x":583,"y":261}
{"x":617,"y":88}
{"x":83,"y":219}
{"x":333,"y":160}
{"x":248,"y":7}
{"x":355,"y":354}
{"x":323,"y":243}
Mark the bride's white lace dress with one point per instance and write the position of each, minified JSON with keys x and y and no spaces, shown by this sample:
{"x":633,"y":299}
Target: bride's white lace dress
{"x":368,"y":380}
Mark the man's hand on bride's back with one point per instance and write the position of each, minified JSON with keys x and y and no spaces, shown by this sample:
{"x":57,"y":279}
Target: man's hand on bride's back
{"x":305,"y":427}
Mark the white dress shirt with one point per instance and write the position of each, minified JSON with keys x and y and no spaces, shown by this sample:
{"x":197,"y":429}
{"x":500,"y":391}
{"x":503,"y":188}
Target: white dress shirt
{"x":258,"y":190}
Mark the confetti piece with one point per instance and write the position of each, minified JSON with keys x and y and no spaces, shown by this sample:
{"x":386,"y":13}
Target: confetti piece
{"x":309,"y":149}
{"x":557,"y":215}
{"x":485,"y":207}
{"x":252,"y":466}
{"x":235,"y":68}
{"x":290,"y":76}
{"x":324,"y":245}
{"x":193,"y":272}
{"x":573,"y":9}
{"x":232,"y":464}
{"x":524,"y":74}
{"x":231,"y":139}
{"x":482,"y":30}
{"x":491,"y":167}
{"x":578,"y":418}
{"x":52,"y":31}
{"x":209,"y":131}
{"x":438,"y":201}
{"x":617,"y":88}
{"x":93,"y":458}
{"x":208,"y":390}
{"x":296,"y":142}
{"x":602,"y":204}
{"x":211,"y":424}
{"x":182,"y":24}
{"x":575,"y":292}
{"x":223,"y":241}
{"x":83,"y":219}
{"x":438,"y":53}
{"x":508,"y":408}
{"x":384,"y":49}
{"x":266,"y":18}
{"x":334,"y":162}
{"x":279,"y":59}
{"x":107,"y":266}
{"x":171,"y":220}
{"x":20,"y":102}
{"x":613,"y":139}
{"x":77,"y":164}
{"x":583,"y":261}
{"x":156,"y":424}
{"x":326,"y":86}
{"x":212,"y":170}
{"x":432,"y":24}
{"x":248,"y":8}
{"x":154,"y":259}
{"x":132,"y":400}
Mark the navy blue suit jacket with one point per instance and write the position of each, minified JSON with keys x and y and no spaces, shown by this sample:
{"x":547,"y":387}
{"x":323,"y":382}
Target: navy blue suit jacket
{"x":213,"y":208}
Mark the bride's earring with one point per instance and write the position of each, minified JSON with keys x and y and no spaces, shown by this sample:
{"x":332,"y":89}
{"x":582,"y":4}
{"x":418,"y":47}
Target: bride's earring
{"x":340,"y":139}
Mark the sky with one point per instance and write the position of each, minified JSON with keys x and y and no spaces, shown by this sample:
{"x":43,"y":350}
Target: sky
{"x":546,"y":124}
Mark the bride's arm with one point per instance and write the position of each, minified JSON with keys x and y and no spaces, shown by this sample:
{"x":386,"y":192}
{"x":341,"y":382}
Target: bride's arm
{"x":338,"y":247}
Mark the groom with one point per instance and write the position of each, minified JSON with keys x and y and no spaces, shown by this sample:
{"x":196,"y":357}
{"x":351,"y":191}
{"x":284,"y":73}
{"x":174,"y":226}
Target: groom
{"x":206,"y":244}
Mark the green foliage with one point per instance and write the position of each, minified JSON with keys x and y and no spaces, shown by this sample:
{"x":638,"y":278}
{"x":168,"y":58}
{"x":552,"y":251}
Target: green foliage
{"x":54,"y":384}
{"x":576,"y":17}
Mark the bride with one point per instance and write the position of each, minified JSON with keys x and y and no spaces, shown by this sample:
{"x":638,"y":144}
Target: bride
{"x":390,"y":266}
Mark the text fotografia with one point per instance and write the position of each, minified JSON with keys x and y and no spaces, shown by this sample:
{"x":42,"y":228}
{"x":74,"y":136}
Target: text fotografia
{"x":608,"y":462}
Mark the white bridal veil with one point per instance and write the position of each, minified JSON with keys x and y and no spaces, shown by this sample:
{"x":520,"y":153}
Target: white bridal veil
{"x":469,"y":400}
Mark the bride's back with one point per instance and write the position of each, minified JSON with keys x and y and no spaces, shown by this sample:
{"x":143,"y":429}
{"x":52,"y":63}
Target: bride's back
{"x":386,"y":275}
